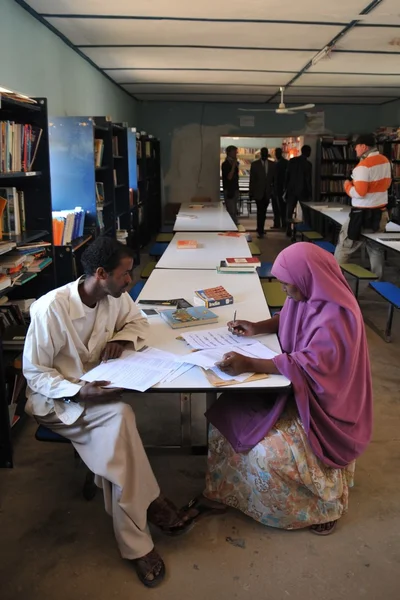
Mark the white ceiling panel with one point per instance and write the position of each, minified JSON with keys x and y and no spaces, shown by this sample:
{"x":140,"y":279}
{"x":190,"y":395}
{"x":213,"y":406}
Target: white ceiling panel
{"x":388,"y":12}
{"x":354,"y":92}
{"x":359,"y":63}
{"x":201,"y":76}
{"x":344,"y":80}
{"x":191,"y":58}
{"x":307,"y":10}
{"x":378,"y":39}
{"x":199,"y":98}
{"x":258,"y":35}
{"x":218,"y":88}
{"x":318,"y":99}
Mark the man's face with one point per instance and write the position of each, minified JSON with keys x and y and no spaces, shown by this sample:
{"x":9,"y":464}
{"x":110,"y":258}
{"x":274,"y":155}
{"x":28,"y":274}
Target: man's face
{"x":361,"y":149}
{"x":264,"y":153}
{"x":118,"y":281}
{"x":233,"y":154}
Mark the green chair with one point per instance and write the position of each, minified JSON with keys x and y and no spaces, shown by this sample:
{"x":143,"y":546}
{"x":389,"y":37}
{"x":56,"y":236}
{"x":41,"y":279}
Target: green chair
{"x":164,"y":237}
{"x":359,"y":273}
{"x":254,"y":249}
{"x":148,"y":269}
{"x":274,"y":294}
{"x":311,"y":236}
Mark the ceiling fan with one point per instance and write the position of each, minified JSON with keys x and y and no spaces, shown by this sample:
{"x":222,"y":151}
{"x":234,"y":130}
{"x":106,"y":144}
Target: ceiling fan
{"x":281,"y":110}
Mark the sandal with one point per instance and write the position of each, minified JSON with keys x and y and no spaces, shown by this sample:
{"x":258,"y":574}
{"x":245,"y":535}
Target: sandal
{"x":164,"y":514}
{"x":202,"y":510}
{"x":150,"y":569}
{"x":324,"y":528}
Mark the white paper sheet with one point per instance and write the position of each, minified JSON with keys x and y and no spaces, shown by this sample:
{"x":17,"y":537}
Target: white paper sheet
{"x":392,"y":227}
{"x":207,"y":358}
{"x":180,"y":370}
{"x":215,"y":338}
{"x":132,"y":371}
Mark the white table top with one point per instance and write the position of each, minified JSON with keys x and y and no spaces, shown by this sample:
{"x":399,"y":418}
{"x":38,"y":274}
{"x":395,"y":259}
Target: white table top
{"x":379,"y":238}
{"x":212,"y":249}
{"x":213,"y":217}
{"x":249,"y":303}
{"x":339,"y":216}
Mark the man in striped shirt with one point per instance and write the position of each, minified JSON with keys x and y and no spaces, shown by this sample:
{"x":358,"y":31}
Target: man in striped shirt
{"x":368,"y":191}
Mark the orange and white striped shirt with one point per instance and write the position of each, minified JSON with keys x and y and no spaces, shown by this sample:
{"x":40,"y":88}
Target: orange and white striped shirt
{"x":371,"y":180}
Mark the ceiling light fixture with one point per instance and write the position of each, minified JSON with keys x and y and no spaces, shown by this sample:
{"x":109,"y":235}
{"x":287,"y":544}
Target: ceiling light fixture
{"x":321,"y":54}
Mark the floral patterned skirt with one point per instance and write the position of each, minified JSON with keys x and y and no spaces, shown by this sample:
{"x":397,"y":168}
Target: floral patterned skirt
{"x":280,"y":482}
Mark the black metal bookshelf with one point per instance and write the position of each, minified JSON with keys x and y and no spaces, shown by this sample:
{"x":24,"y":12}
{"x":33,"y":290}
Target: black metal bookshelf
{"x":149,"y":185}
{"x":36,"y":187}
{"x":336,"y":159}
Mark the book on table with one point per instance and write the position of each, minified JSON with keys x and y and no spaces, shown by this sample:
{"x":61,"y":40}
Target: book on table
{"x":247,"y":261}
{"x":188,"y":317}
{"x":186,"y":244}
{"x":212,"y":297}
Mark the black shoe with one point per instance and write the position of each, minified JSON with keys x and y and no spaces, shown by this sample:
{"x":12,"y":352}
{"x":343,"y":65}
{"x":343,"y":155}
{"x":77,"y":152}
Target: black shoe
{"x":288,"y":233}
{"x":275,"y":227}
{"x":260,"y":236}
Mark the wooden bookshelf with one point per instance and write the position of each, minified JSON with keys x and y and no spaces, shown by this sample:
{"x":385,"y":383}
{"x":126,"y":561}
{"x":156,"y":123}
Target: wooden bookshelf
{"x":35,"y":185}
{"x":335,"y":162}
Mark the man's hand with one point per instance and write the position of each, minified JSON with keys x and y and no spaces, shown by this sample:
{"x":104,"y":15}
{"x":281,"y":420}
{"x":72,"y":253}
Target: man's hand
{"x":346,"y":183}
{"x":97,"y":391}
{"x":112,"y":350}
{"x":235,"y":364}
{"x":242,"y":328}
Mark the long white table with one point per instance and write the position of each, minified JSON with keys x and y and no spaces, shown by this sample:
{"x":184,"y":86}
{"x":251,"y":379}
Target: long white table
{"x":339,"y":213}
{"x":212,"y":217}
{"x":381,"y":238}
{"x":249,"y":303}
{"x":212,"y":249}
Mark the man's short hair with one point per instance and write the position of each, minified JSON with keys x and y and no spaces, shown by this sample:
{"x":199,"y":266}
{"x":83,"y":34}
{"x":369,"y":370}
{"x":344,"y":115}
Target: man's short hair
{"x":278,"y":152}
{"x":306,"y":151}
{"x":230,"y":148}
{"x":104,"y":252}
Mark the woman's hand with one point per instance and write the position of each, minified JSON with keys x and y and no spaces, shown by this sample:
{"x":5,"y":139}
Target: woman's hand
{"x":243,"y":328}
{"x":235,"y":364}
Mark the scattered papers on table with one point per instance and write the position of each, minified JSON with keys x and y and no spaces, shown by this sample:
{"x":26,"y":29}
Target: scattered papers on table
{"x":215,"y":338}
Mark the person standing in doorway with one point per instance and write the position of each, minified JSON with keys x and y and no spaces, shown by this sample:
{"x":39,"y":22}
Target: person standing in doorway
{"x":230,"y":181}
{"x":368,"y":191}
{"x":298,"y":184}
{"x":278,"y":203}
{"x":262,"y":184}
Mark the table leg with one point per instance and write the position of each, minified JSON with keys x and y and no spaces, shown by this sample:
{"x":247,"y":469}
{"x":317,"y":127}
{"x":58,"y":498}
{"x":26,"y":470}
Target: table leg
{"x":186,"y":420}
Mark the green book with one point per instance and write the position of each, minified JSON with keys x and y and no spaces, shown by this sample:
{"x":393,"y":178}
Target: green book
{"x":188,"y":317}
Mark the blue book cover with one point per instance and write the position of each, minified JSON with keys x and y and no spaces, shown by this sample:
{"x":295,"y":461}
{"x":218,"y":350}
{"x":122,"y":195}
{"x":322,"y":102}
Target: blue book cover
{"x":188,"y":317}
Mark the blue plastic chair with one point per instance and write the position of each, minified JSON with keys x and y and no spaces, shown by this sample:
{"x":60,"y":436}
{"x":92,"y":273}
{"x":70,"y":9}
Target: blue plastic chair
{"x":264,"y":272}
{"x":390,"y":293}
{"x":326,"y":246}
{"x":135,"y":291}
{"x":158,"y":249}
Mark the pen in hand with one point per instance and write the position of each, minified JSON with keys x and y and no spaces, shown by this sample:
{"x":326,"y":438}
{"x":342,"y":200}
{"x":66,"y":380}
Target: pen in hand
{"x":234,"y":316}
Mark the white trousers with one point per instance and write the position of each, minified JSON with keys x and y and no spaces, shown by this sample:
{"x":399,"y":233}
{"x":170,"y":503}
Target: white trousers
{"x":108,"y":442}
{"x":346,"y":247}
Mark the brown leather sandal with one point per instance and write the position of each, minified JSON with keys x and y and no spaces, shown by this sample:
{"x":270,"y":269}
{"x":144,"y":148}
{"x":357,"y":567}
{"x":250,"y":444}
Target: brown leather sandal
{"x":165,"y":515}
{"x":150,"y":569}
{"x":324,"y":528}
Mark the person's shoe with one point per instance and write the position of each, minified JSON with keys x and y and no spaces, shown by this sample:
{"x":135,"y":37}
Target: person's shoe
{"x":150,"y":569}
{"x":275,"y":227}
{"x":289,"y":233}
{"x":260,"y":236}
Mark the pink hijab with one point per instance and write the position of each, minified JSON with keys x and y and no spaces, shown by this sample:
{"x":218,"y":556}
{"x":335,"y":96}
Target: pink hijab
{"x":325,"y":354}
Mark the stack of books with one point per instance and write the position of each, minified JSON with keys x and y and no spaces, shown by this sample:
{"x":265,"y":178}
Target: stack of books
{"x":239,"y":265}
{"x":12,"y":211}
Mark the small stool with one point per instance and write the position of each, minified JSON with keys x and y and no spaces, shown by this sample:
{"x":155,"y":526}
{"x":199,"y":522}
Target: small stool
{"x":264,"y":272}
{"x":135,"y":291}
{"x":391,"y":293}
{"x":254,"y":249}
{"x":311,"y":236}
{"x":359,"y":273}
{"x":241,"y":228}
{"x":274,"y":294}
{"x":147,"y":270}
{"x":326,"y":246}
{"x":164,"y":237}
{"x":44,"y":434}
{"x":157,"y":250}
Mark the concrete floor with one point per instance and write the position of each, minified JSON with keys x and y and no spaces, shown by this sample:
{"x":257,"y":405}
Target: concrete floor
{"x":55,"y":544}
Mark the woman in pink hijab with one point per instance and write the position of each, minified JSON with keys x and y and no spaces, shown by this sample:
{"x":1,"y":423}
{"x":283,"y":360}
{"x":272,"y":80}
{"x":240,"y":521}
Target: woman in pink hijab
{"x":288,"y":460}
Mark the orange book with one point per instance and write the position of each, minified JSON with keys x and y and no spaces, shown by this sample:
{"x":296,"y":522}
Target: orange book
{"x":186,"y":244}
{"x":58,"y":231}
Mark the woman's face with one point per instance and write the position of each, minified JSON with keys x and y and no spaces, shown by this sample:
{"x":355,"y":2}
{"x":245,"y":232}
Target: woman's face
{"x":292,"y":292}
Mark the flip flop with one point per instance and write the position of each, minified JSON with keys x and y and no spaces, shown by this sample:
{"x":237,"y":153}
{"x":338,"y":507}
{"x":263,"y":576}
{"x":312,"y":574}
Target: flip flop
{"x":156,"y":518}
{"x":331,"y":526}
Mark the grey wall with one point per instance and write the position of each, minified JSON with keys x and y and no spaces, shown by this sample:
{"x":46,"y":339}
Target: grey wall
{"x":390,"y":114}
{"x":36,"y":62}
{"x":190,"y":151}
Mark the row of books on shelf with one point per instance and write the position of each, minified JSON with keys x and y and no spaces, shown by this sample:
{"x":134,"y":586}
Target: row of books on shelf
{"x":336,"y":170}
{"x":12,"y":211}
{"x":338,"y":152}
{"x":98,"y":152}
{"x":19,"y":265}
{"x":115,"y":148}
{"x":332,"y":186}
{"x":68,"y":225}
{"x":396,"y":170}
{"x":396,"y":151}
{"x":18,"y":146}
